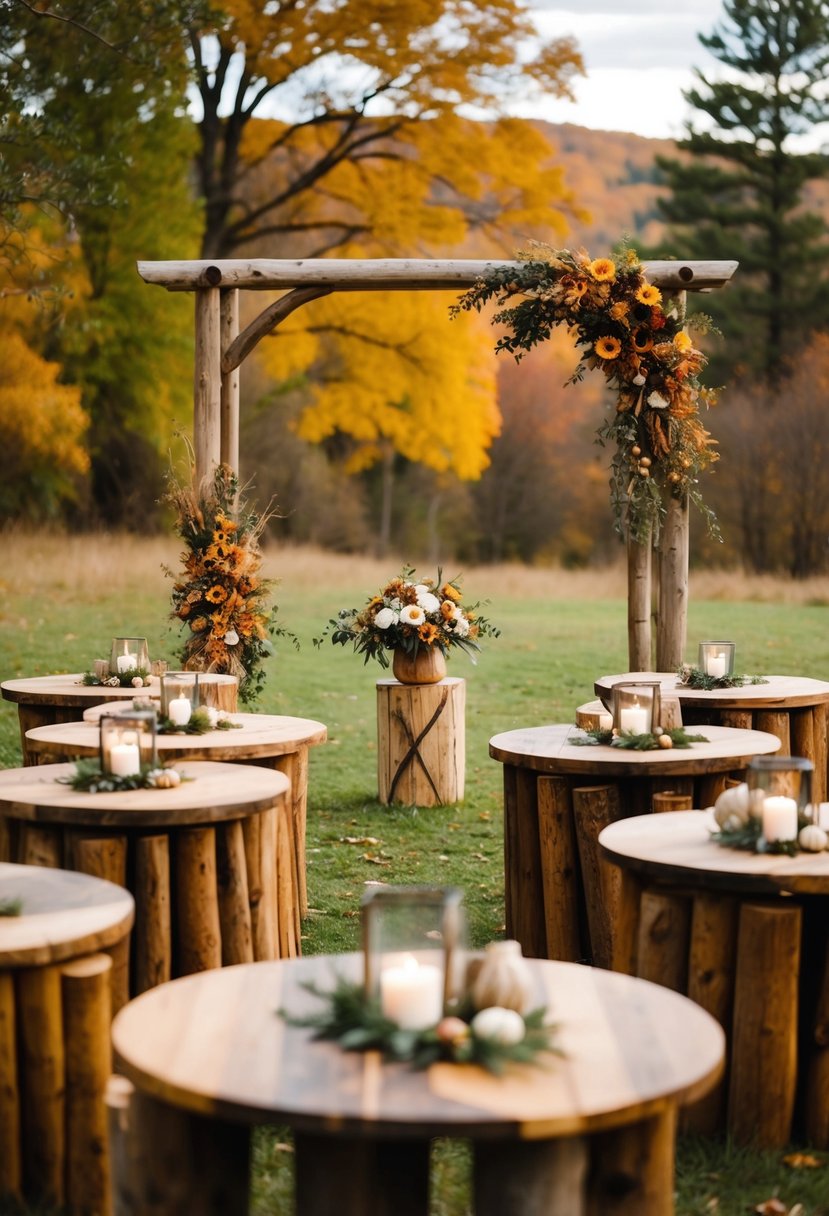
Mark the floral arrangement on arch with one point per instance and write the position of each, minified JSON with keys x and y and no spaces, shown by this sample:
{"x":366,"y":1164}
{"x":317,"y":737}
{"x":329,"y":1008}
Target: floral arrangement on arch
{"x":408,"y":614}
{"x":640,"y":342}
{"x":221,"y":597}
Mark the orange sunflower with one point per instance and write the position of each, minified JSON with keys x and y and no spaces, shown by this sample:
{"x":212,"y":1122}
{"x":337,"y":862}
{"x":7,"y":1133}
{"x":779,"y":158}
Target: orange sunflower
{"x":608,"y":347}
{"x":647,"y":294}
{"x":427,"y":632}
{"x":603,"y":270}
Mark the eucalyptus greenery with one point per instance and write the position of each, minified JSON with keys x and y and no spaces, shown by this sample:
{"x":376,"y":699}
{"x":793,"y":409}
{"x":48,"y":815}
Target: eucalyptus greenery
{"x":89,"y":778}
{"x":646,"y":742}
{"x":695,"y":677}
{"x":357,"y":1023}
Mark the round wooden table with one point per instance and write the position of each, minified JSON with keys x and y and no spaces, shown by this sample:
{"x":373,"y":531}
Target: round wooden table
{"x":55,"y":1058}
{"x":208,"y":1057}
{"x":271,"y":740}
{"x":44,"y":700}
{"x":560,"y":896}
{"x":795,"y":708}
{"x":744,"y":935}
{"x":210,"y":862}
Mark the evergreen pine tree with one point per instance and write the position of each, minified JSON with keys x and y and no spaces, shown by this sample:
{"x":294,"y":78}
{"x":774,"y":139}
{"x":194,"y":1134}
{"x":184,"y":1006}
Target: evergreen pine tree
{"x":741,"y":191}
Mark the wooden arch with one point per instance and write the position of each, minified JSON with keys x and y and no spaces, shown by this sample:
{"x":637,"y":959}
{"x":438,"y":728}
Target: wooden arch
{"x":220,"y":350}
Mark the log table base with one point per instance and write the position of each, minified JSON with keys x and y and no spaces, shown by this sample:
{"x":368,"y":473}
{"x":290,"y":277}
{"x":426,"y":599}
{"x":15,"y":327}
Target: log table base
{"x":55,"y":1056}
{"x":421,"y":742}
{"x":744,"y":936}
{"x":562,"y":896}
{"x":210,"y":863}
{"x":586,"y":1133}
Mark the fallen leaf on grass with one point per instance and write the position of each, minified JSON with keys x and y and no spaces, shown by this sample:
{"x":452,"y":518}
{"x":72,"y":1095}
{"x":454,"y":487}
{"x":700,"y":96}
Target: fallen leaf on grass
{"x":803,"y":1161}
{"x":484,"y":816}
{"x":360,"y":840}
{"x":772,"y":1207}
{"x":375,"y":861}
{"x":480,"y":856}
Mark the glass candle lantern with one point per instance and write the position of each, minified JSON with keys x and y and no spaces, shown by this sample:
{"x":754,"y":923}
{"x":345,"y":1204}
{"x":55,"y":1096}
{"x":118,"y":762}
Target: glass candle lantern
{"x":128,"y":742}
{"x":636,"y":707}
{"x":780,"y":793}
{"x":179,"y":695}
{"x":412,"y":946}
{"x":716,"y":659}
{"x":128,"y":654}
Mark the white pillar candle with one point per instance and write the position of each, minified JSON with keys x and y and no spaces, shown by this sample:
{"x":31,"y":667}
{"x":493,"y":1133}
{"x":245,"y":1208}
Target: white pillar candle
{"x":124,"y":760}
{"x":634,"y":718}
{"x":605,"y":722}
{"x":822,"y":815}
{"x":179,"y":710}
{"x":127,"y":662}
{"x":779,"y":818}
{"x":715,"y":665}
{"x":411,"y":994}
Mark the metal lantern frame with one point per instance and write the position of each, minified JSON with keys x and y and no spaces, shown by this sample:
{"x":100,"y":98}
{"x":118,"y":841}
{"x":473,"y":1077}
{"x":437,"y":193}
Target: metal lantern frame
{"x":637,"y":694}
{"x":713,"y":655}
{"x":393,"y":924}
{"x":127,"y":647}
{"x":136,"y":728}
{"x":175,"y":684}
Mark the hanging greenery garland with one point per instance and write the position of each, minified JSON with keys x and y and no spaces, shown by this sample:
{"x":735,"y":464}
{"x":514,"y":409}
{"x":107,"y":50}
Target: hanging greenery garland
{"x":640,"y":341}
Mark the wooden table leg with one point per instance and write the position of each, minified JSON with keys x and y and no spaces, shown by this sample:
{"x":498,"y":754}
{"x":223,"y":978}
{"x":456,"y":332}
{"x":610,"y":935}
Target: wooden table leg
{"x":169,"y":1162}
{"x":559,"y":869}
{"x":531,"y":1177}
{"x":354,"y":1177}
{"x":153,"y":933}
{"x":594,"y":807}
{"x":764,"y":1027}
{"x":43,"y":1082}
{"x":87,"y":1011}
{"x":664,"y":933}
{"x":198,"y":932}
{"x":816,"y":1066}
{"x":522,"y":861}
{"x":10,"y":1160}
{"x":711,"y":965}
{"x":632,"y":1168}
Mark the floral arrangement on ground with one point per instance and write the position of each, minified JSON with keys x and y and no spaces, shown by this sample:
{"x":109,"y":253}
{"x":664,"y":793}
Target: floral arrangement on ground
{"x":641,"y":344}
{"x":647,"y":742}
{"x":690,"y":676}
{"x":408,"y":614}
{"x":90,"y":778}
{"x":222,"y":598}
{"x":492,"y":1037}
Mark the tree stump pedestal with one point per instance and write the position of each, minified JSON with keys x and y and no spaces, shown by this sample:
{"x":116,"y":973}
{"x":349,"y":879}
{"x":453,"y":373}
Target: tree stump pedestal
{"x":421,"y":742}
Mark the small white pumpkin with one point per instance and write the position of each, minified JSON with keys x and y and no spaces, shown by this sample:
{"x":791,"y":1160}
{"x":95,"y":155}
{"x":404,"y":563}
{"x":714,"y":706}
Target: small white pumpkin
{"x":732,"y":808}
{"x":499,"y":1025}
{"x":812,"y":838}
{"x":166,"y":779}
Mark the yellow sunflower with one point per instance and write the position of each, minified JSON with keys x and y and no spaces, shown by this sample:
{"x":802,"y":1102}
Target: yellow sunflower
{"x":608,"y":348}
{"x":449,"y":592}
{"x":642,"y":341}
{"x":682,"y":342}
{"x":216,"y":595}
{"x":647,"y":294}
{"x":427,"y":633}
{"x":603,"y":270}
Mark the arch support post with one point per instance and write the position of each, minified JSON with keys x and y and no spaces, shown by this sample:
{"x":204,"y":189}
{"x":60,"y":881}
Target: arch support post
{"x":207,"y":383}
{"x":229,"y":322}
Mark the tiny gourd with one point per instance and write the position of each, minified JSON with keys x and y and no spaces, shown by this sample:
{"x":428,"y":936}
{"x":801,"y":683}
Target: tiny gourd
{"x":503,"y":979}
{"x":499,"y":1025}
{"x":812,"y":839}
{"x":166,"y":779}
{"x":732,"y":808}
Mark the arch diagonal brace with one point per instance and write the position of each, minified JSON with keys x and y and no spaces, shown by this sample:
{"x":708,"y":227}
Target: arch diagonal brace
{"x":267,"y":321}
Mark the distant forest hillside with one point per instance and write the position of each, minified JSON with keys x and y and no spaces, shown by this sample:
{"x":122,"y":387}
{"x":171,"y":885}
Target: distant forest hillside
{"x":614,"y":177}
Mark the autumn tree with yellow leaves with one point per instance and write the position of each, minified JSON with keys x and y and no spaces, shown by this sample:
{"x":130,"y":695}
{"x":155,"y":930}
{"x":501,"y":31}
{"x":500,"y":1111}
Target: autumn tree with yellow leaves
{"x":350,"y":88}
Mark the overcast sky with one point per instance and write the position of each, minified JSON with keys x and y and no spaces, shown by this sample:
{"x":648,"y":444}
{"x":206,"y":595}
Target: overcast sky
{"x":638,"y":55}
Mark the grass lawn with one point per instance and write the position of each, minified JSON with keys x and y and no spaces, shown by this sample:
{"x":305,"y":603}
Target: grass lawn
{"x":63,"y":600}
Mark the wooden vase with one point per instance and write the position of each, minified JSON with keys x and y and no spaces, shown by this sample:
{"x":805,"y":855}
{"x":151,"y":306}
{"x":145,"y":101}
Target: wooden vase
{"x":426,"y":666}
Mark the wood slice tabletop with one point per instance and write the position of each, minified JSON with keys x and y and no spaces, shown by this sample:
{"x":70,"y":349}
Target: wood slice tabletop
{"x":210,"y":792}
{"x":64,"y":914}
{"x":67,"y":690}
{"x":550,"y":749}
{"x":677,"y":848}
{"x":215,"y":1044}
{"x":256,"y":735}
{"x":779,"y":692}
